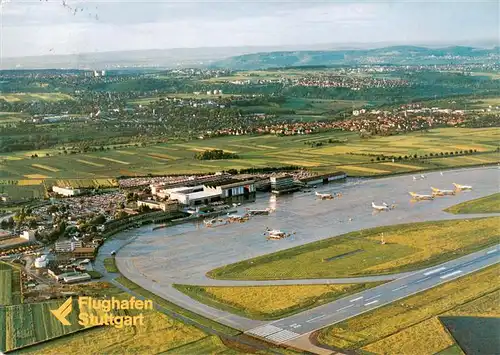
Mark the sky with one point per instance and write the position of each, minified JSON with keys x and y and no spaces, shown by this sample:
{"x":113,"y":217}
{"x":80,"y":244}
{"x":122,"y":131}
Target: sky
{"x":48,"y":27}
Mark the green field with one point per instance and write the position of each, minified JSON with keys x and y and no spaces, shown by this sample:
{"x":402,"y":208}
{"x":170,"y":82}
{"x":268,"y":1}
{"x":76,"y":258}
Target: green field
{"x":487,"y":204}
{"x":408,"y":247}
{"x":353,"y":155}
{"x":270,"y":302}
{"x":10,"y":285}
{"x":11,"y":117}
{"x":27,"y":324}
{"x":110,"y":265}
{"x":474,"y":334}
{"x":411,"y":326}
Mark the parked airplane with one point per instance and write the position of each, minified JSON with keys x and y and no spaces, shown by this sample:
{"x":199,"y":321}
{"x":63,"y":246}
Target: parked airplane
{"x":419,"y":197}
{"x":383,"y":207}
{"x":324,"y":196}
{"x":421,"y":177}
{"x":439,"y":192}
{"x":277,"y":234}
{"x":462,"y":187}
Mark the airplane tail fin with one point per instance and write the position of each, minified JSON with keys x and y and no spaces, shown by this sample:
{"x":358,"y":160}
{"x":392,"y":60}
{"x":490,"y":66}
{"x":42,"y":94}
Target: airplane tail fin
{"x":412,"y":194}
{"x":434,"y":189}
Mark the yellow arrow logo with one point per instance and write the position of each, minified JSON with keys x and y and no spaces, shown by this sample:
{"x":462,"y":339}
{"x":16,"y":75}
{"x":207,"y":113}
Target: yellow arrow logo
{"x":62,"y":312}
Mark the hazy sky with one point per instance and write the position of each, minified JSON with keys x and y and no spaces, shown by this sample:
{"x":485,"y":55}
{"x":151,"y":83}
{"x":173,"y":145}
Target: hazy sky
{"x":37,"y":27}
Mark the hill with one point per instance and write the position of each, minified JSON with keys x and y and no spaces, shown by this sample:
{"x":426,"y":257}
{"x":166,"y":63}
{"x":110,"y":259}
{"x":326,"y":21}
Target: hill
{"x":402,"y":55}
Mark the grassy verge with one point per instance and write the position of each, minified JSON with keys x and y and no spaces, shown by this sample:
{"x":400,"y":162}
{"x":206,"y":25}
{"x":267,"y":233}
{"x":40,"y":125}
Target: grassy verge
{"x":487,"y":204}
{"x":270,"y":302}
{"x":110,"y":265}
{"x":411,"y":325}
{"x":169,"y":306}
{"x":408,"y":247}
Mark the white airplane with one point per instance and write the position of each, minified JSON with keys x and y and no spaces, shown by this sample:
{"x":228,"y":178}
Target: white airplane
{"x":421,"y":177}
{"x":277,"y":234}
{"x":462,"y":187}
{"x":420,"y":197}
{"x":383,"y":207}
{"x":439,"y":192}
{"x":324,"y":196}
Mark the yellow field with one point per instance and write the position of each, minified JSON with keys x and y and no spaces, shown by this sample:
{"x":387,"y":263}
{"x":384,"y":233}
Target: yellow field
{"x":115,"y":160}
{"x":302,"y":163}
{"x":88,"y":162}
{"x":269,"y":299}
{"x":166,"y":148}
{"x":159,"y":333}
{"x":30,"y":182}
{"x":363,"y":169}
{"x":404,"y":166}
{"x":86,"y":183}
{"x":429,"y":241}
{"x":36,"y":176}
{"x":35,"y":97}
{"x":410,"y":326}
{"x":45,"y":167}
{"x":426,"y":338}
{"x":161,"y":156}
{"x":266,"y":146}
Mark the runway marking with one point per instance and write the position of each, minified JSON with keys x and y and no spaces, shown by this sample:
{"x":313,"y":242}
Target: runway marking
{"x":340,"y":309}
{"x":283,"y":336}
{"x":372,"y":302}
{"x":492,"y":251}
{"x":422,"y":280}
{"x":356,"y":299}
{"x":371,"y":298}
{"x":434,"y":271}
{"x":451,"y":274}
{"x":400,"y":288}
{"x":315,"y":318}
{"x":265,"y":330}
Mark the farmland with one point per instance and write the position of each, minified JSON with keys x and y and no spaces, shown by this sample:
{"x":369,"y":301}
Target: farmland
{"x":408,"y":247}
{"x":412,"y":326}
{"x":348,"y":152}
{"x":487,"y":204}
{"x":54,"y":96}
{"x":270,"y":302}
{"x":27,"y":324}
{"x":10,"y":285}
{"x":168,"y":334}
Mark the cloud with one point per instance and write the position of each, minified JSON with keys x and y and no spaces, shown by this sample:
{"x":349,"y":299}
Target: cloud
{"x":34,"y":27}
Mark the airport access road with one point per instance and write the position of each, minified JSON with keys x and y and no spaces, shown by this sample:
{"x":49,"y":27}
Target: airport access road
{"x":287,"y":329}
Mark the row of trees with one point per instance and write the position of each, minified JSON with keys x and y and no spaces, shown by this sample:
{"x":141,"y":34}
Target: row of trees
{"x":383,"y":157}
{"x":215,"y":154}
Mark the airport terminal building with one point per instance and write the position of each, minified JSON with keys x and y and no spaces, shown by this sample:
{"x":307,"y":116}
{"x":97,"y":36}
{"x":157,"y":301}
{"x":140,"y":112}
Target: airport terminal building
{"x":229,"y":190}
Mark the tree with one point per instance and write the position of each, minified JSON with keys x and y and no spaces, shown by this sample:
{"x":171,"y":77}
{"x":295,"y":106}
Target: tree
{"x":98,"y":220}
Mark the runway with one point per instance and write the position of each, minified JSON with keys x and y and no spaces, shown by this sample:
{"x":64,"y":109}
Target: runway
{"x":287,"y":329}
{"x":185,"y":253}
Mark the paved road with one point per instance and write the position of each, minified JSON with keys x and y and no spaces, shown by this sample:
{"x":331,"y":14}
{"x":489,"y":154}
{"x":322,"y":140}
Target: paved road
{"x":287,"y":329}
